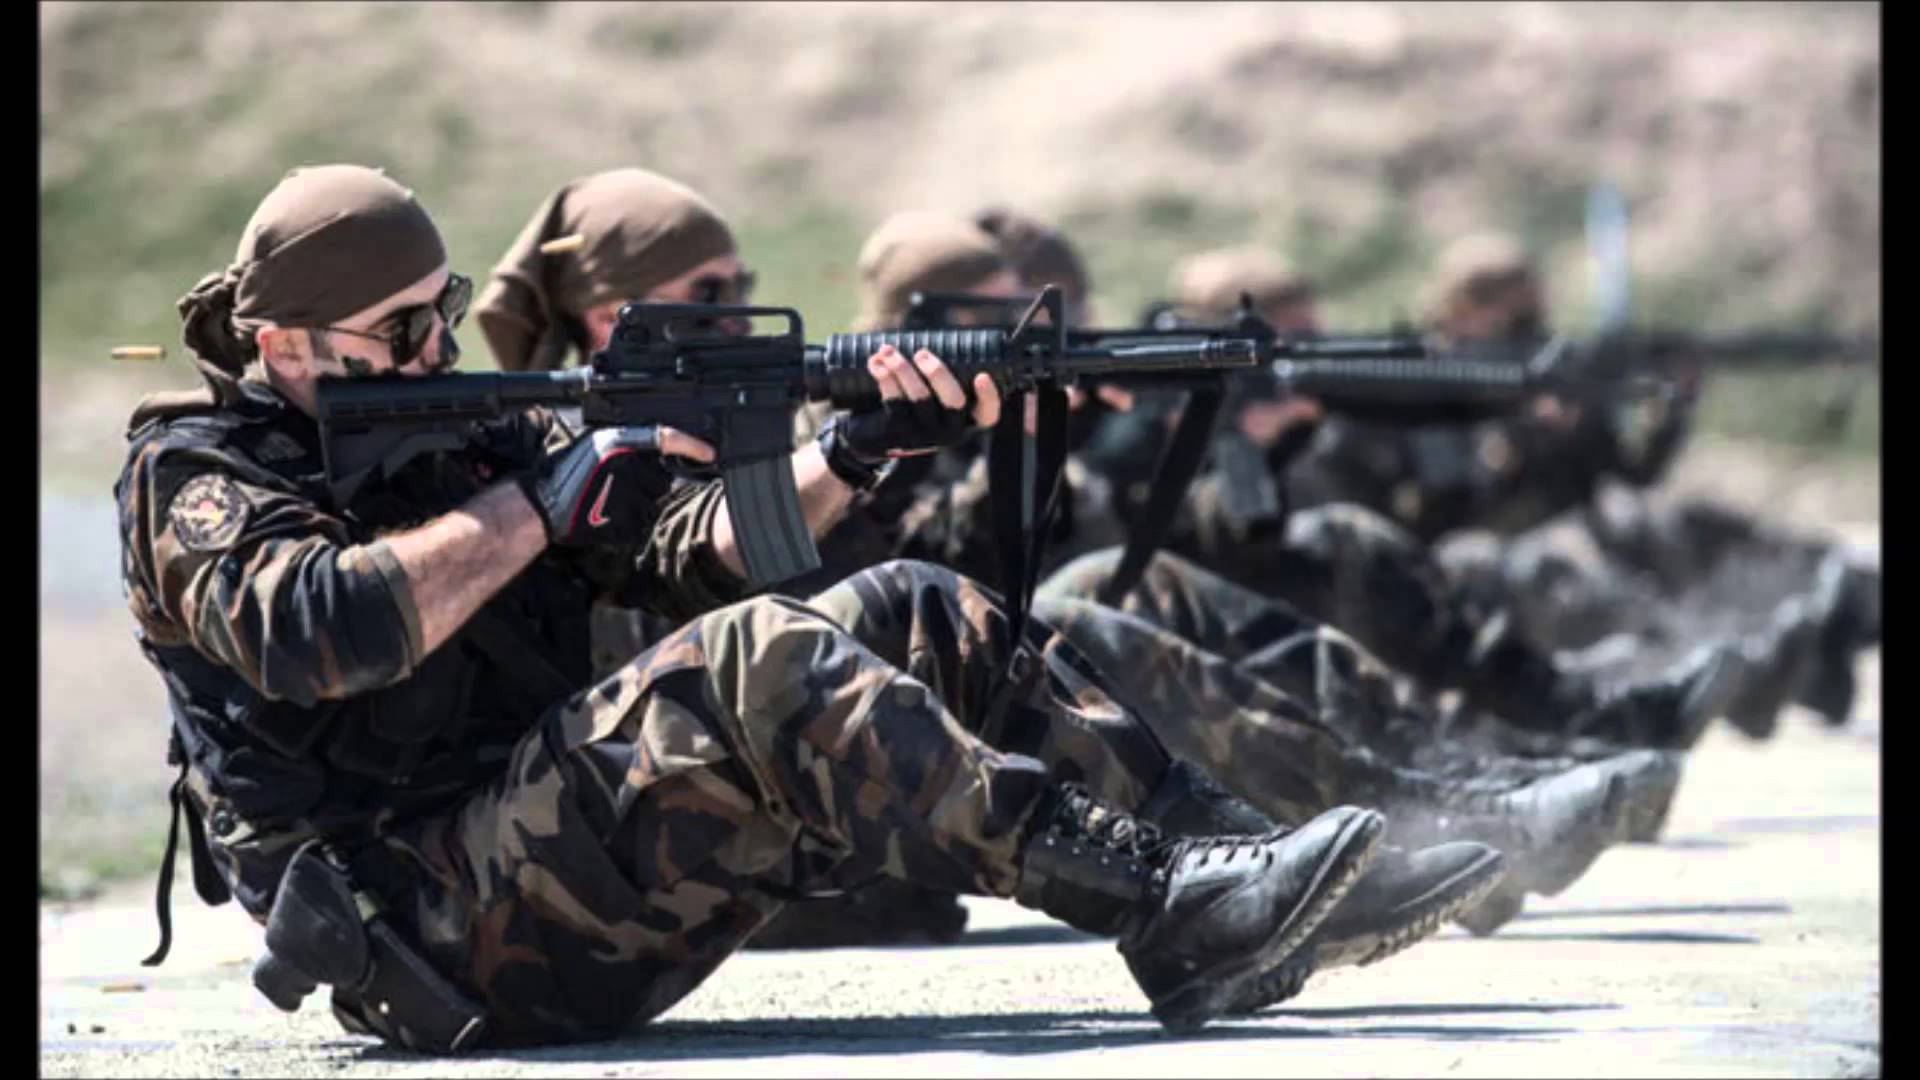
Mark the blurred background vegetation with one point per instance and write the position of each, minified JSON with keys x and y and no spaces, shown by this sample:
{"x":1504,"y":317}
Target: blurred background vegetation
{"x":1357,"y":139}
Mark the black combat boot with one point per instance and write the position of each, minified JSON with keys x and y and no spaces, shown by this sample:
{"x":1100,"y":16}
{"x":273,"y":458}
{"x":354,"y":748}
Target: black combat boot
{"x":1644,"y":781}
{"x":1550,"y":831}
{"x":1652,"y":776}
{"x":1198,"y":919}
{"x":1847,"y":605}
{"x":1402,"y":898}
{"x":1670,"y":711}
{"x":1776,"y":661}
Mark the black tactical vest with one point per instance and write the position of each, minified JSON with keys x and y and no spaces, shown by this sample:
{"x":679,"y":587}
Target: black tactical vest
{"x":275,"y":769}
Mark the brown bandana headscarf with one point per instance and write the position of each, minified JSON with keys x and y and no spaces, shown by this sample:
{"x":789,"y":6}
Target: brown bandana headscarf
{"x":637,"y":230}
{"x":921,"y":252}
{"x":1039,"y":253}
{"x":1210,"y":284}
{"x":326,"y":242}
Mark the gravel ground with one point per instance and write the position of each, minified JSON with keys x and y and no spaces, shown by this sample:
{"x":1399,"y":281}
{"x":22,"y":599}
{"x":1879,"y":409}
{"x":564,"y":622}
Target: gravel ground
{"x":1747,"y":943}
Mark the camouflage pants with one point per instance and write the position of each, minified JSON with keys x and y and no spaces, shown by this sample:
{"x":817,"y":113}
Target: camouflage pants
{"x":653,"y":821}
{"x":1628,"y":565}
{"x":1344,"y":567}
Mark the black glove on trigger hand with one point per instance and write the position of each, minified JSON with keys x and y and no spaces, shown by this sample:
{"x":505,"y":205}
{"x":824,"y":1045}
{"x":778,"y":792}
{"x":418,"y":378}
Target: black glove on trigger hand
{"x":905,"y":426}
{"x":603,"y":488}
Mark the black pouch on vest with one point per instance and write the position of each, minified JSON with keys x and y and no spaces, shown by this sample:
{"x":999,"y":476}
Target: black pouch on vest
{"x":390,"y":734}
{"x":322,"y":931}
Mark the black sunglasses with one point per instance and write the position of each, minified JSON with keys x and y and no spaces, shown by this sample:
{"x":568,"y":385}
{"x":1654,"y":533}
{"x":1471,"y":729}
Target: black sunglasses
{"x":721,"y":289}
{"x":413,"y":326}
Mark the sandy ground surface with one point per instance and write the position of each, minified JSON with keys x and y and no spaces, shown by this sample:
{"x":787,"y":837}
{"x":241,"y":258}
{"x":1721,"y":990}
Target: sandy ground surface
{"x":1747,"y":943}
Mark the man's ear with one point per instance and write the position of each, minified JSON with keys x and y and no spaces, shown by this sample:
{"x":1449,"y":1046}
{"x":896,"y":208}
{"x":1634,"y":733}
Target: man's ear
{"x":285,"y":352}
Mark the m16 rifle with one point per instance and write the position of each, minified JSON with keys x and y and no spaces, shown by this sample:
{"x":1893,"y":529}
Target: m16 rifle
{"x":673,"y":364}
{"x":1394,"y":378}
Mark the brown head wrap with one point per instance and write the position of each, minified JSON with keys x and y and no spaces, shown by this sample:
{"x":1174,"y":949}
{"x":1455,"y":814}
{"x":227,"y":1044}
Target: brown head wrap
{"x":1475,"y":269}
{"x":1039,"y":253}
{"x":1210,"y":284}
{"x":637,"y":229}
{"x":328,"y":241}
{"x":921,"y":252}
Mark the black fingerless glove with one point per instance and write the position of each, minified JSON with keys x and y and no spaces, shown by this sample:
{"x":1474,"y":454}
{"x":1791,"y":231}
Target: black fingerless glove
{"x":603,"y":488}
{"x":902,"y":426}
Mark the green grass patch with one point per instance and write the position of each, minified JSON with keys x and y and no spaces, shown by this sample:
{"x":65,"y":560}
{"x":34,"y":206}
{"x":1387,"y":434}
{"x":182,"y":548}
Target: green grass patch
{"x":805,"y":258}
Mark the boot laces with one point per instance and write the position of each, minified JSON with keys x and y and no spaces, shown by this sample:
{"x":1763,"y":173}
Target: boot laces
{"x":1227,"y":847}
{"x":1086,"y":818}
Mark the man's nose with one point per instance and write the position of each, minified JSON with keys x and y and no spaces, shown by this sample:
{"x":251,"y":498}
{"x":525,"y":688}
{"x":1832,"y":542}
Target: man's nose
{"x":441,"y":352}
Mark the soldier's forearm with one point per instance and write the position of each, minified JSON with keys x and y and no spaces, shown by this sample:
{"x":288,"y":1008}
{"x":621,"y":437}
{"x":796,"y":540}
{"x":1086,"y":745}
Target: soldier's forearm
{"x":457,"y":561}
{"x":824,"y":499}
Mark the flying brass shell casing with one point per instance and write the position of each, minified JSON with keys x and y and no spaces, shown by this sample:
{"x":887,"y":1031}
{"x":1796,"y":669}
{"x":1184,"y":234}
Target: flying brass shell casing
{"x":560,"y":245}
{"x":140,"y":352}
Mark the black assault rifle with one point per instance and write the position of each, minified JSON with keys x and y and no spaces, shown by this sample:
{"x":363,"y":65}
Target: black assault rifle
{"x":1393,"y":377}
{"x":668,"y":364}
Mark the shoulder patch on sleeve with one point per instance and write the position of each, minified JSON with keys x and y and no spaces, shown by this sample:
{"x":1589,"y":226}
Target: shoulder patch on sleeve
{"x":208,"y":512}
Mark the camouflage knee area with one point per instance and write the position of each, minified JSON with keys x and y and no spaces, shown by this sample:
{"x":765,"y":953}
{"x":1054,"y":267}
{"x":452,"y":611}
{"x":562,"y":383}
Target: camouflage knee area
{"x":944,"y":629}
{"x":952,"y":634}
{"x":1378,"y":585}
{"x":1082,"y":578}
{"x":1179,"y":596}
{"x":868,"y":757}
{"x":614,"y":864}
{"x":1264,"y":745}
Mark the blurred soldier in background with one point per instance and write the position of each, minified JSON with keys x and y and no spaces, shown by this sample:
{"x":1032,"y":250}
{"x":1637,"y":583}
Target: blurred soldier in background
{"x":1168,"y":671}
{"x":1623,"y":564}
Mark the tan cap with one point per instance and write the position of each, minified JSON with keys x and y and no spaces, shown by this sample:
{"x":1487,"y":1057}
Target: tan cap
{"x":917,"y":251}
{"x":1211,"y":283}
{"x":1476,"y":268}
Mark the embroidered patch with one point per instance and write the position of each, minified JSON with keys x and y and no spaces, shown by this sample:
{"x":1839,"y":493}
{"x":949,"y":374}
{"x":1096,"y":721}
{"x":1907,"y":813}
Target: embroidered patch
{"x":208,"y":512}
{"x":278,"y":446}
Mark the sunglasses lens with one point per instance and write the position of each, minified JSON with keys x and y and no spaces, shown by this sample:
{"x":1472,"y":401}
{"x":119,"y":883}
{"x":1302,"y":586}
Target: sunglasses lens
{"x":720,"y":290}
{"x":455,"y":298}
{"x":412,"y":337}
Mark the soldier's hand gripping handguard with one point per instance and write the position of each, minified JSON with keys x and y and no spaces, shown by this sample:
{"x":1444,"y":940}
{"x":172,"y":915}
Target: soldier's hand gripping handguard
{"x":858,"y":444}
{"x":603,"y":488}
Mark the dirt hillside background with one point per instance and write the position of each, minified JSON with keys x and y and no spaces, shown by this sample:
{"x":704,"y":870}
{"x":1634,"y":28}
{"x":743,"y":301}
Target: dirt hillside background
{"x":1355,"y":138}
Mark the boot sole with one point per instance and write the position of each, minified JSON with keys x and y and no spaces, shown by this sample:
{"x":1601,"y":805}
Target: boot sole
{"x":1420,"y":919}
{"x":1500,"y":907}
{"x":1189,"y":1008}
{"x":1461,"y":892}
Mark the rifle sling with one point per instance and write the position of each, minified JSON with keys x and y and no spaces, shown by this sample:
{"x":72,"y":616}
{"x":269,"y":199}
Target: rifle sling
{"x":1172,"y":476}
{"x":1023,"y":488}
